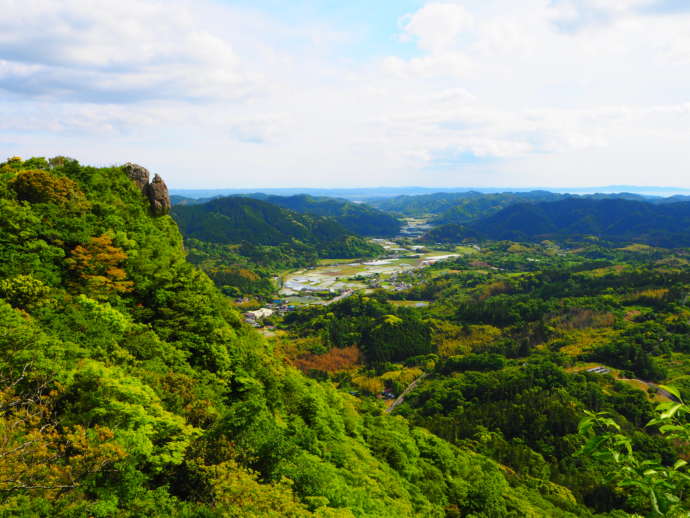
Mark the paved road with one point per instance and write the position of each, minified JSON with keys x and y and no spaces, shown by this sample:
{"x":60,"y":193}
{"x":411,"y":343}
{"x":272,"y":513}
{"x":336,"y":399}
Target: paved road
{"x":340,"y":297}
{"x":405,"y":392}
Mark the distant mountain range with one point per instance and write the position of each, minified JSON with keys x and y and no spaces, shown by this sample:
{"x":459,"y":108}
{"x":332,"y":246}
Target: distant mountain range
{"x":620,"y":220}
{"x":234,"y":220}
{"x":372,"y":193}
{"x":459,"y":207}
{"x":467,"y":206}
{"x":322,"y":222}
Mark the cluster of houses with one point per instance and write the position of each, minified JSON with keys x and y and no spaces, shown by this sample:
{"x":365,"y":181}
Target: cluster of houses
{"x":277,"y":307}
{"x":256,"y":318}
{"x":400,"y":285}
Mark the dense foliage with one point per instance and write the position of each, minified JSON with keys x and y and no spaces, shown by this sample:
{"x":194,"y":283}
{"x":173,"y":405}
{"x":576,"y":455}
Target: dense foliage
{"x":358,"y":218}
{"x":243,"y":220}
{"x":129,"y":387}
{"x":243,"y":244}
{"x":384,"y":333}
{"x":514,"y":330}
{"x":617,"y":220}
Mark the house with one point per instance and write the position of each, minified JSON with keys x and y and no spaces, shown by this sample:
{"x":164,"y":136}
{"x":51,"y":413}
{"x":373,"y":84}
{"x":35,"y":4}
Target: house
{"x":598,"y":370}
{"x":259,"y":314}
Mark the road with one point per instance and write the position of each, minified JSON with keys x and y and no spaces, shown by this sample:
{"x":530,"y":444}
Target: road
{"x":659,"y":390}
{"x":405,"y":392}
{"x":340,"y":297}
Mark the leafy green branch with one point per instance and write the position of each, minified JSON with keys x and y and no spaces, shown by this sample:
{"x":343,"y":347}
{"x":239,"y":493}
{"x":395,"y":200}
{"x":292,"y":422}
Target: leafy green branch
{"x":665,"y":487}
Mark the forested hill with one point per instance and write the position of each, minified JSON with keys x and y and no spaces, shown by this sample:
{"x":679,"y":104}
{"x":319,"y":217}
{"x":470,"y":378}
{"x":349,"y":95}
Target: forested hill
{"x":234,"y":220}
{"x":358,"y":218}
{"x":622,"y":220}
{"x":457,"y":207}
{"x":471,"y":208}
{"x":462,"y":207}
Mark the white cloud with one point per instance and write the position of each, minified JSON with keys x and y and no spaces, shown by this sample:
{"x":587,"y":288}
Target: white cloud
{"x":105,"y":51}
{"x":437,"y":26}
{"x":482,"y":92}
{"x":435,"y":65}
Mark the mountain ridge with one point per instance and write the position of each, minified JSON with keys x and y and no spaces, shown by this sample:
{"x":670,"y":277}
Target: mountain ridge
{"x":610,"y":219}
{"x":234,"y":220}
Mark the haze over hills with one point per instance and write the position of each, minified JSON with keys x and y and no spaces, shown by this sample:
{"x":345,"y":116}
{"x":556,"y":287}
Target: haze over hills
{"x":459,"y":206}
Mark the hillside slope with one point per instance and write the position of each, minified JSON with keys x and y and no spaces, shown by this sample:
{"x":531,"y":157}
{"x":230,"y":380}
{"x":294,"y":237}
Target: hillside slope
{"x":130,"y":388}
{"x":459,"y":207}
{"x":358,"y":218}
{"x":616,"y":220}
{"x":235,"y":220}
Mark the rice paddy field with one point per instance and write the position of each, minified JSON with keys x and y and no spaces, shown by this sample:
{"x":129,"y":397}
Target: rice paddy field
{"x":337,"y":277}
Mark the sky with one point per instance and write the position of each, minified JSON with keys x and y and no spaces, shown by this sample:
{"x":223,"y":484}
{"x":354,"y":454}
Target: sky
{"x":327,"y":93}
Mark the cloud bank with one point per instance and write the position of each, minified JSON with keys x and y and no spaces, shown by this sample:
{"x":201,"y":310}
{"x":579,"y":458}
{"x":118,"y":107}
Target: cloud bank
{"x":469,"y":93}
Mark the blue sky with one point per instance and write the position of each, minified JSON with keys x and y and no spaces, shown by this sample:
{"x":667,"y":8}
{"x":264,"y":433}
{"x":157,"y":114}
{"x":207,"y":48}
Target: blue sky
{"x":268,"y":93}
{"x":374,"y":31}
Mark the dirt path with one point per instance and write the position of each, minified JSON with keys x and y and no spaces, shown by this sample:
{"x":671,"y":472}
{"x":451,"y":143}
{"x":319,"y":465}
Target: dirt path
{"x":649,"y":384}
{"x":405,"y":392}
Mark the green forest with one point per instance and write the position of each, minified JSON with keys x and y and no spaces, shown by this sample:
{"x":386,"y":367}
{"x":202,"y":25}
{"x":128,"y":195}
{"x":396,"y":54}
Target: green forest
{"x":243,"y":243}
{"x":358,"y":218}
{"x":130,"y":384}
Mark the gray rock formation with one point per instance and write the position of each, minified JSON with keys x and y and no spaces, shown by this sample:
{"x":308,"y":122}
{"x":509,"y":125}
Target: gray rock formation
{"x":156,"y":191}
{"x":139,"y":175}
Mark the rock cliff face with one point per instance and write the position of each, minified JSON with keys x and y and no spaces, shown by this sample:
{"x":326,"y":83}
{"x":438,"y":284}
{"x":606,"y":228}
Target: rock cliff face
{"x":156,"y":191}
{"x":139,"y":175}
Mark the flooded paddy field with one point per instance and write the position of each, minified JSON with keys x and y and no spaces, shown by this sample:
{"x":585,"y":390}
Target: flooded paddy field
{"x":341,"y":277}
{"x":337,"y":278}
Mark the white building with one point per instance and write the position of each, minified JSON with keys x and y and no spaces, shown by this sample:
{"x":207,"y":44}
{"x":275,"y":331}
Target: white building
{"x":259,"y":314}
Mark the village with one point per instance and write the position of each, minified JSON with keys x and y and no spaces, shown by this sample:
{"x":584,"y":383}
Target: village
{"x":328,"y":284}
{"x":332,"y":280}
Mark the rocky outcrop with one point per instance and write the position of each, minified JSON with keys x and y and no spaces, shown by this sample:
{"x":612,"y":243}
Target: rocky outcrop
{"x":156,"y":191}
{"x":139,"y":175}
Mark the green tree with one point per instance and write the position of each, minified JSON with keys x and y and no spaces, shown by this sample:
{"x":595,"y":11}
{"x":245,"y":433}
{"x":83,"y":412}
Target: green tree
{"x":662,"y":488}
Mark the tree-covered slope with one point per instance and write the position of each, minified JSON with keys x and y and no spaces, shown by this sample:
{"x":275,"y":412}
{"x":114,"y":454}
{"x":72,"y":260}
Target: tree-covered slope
{"x":463,"y":207}
{"x":129,"y":387}
{"x":358,"y":218}
{"x":235,"y":220}
{"x":421,"y":204}
{"x":615,"y":220}
{"x":485,"y":205}
{"x":459,"y":207}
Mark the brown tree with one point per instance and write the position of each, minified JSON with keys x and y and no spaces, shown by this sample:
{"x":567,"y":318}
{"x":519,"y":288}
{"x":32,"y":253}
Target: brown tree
{"x":37,"y":456}
{"x":97,"y":267}
{"x":38,"y":186}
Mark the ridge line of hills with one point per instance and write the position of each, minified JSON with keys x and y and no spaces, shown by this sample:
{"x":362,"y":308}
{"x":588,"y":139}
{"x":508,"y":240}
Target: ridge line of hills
{"x":666,"y":225}
{"x":321,"y":222}
{"x":235,"y":220}
{"x":357,"y":218}
{"x":362,"y":193}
